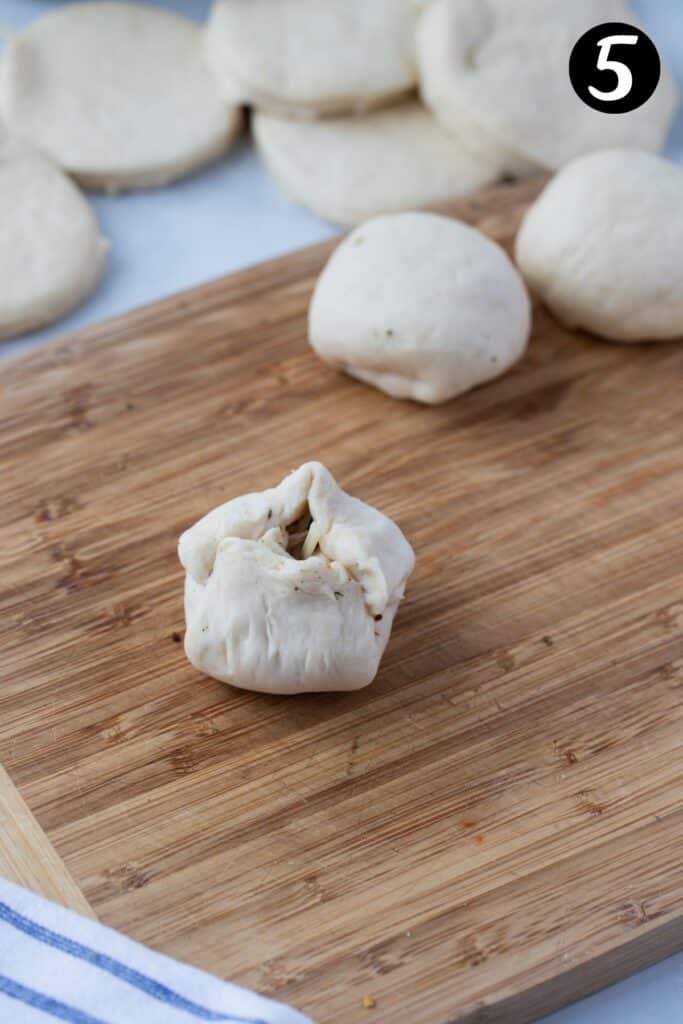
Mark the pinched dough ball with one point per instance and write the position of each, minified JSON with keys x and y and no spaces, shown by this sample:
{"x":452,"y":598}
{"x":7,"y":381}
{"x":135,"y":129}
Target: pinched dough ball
{"x":51,"y":252}
{"x":350,"y":168}
{"x":495,"y":73}
{"x":116,"y":93}
{"x":421,"y":306}
{"x":294,"y":589}
{"x":603,"y":246}
{"x":312,"y":57}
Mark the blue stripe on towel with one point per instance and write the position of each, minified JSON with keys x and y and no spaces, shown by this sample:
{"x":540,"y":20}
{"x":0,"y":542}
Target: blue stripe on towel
{"x":149,"y":986}
{"x":47,"y":1004}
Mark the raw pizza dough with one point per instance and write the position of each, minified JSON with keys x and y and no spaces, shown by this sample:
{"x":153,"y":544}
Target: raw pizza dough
{"x":348,"y":169}
{"x":495,"y":73}
{"x":421,"y":306}
{"x":312,"y":57}
{"x":115,"y":93}
{"x":51,"y":252}
{"x":293,"y":589}
{"x":603,"y":246}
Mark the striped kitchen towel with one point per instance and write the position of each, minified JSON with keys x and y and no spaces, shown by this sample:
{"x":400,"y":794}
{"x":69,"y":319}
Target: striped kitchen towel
{"x":56,"y":965}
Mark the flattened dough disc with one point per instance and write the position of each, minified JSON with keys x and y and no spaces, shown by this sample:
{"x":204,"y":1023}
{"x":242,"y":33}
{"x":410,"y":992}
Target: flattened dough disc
{"x":352,"y":168}
{"x":115,"y":93}
{"x":51,"y":252}
{"x":312,"y":57}
{"x":495,"y":73}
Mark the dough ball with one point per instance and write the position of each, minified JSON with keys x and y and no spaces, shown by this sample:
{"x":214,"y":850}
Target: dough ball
{"x":51,"y":253}
{"x":293,"y":589}
{"x":309,"y":58}
{"x":495,"y":73}
{"x":603,"y":245}
{"x":116,"y":93}
{"x":421,"y":306}
{"x":348,"y":169}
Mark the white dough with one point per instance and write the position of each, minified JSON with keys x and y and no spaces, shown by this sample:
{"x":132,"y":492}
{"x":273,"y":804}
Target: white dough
{"x":495,"y":73}
{"x":115,"y":93}
{"x":312,"y":57}
{"x":281,"y":606}
{"x":51,"y":252}
{"x":421,"y":306}
{"x":348,"y":169}
{"x":603,"y":246}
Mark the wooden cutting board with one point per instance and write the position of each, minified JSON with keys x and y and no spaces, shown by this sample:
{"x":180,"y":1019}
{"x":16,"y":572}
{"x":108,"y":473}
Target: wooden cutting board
{"x":491,"y":829}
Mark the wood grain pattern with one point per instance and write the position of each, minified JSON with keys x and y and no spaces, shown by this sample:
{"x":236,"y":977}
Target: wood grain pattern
{"x":495,"y":826}
{"x":28,"y":858}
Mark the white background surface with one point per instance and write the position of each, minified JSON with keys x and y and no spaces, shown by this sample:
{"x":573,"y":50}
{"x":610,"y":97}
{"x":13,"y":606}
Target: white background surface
{"x":230,"y":216}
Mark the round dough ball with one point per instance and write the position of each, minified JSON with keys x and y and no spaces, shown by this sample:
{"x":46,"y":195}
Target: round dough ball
{"x":51,"y":253}
{"x":348,"y":169}
{"x":495,"y":73}
{"x":116,"y":93}
{"x":308,"y":58}
{"x":603,"y":246}
{"x":421,"y":306}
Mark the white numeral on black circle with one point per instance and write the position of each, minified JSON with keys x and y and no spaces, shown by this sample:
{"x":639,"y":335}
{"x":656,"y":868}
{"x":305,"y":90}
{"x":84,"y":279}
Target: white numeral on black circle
{"x":622,"y":71}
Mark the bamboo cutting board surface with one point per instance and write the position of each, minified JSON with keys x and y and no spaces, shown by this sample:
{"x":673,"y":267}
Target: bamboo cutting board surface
{"x":495,"y":826}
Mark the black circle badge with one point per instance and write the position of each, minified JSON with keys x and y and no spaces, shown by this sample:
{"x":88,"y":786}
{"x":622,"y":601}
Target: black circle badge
{"x":614,"y":67}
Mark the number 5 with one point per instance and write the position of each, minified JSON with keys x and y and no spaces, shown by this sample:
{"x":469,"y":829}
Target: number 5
{"x":623,"y":73}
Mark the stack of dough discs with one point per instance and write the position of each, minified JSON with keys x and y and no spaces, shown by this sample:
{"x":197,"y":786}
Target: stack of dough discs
{"x":353,"y":168}
{"x":420,"y":306}
{"x":309,"y":58}
{"x":603,"y":245}
{"x":495,"y":73}
{"x":51,"y":253}
{"x":117,"y":94}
